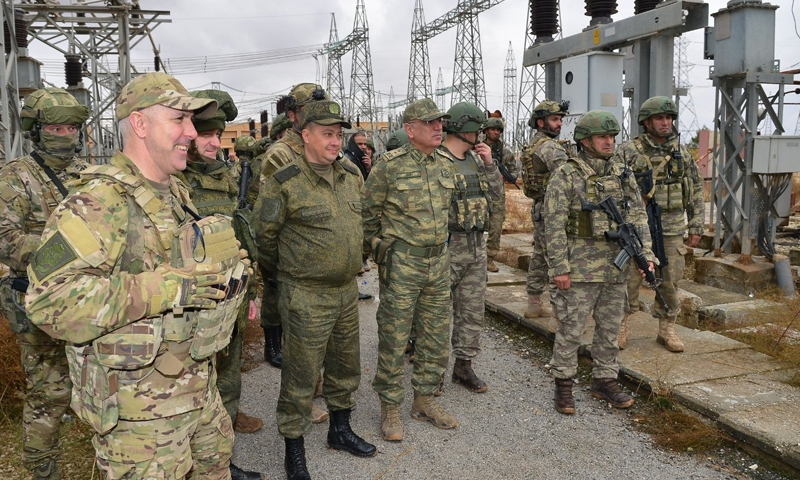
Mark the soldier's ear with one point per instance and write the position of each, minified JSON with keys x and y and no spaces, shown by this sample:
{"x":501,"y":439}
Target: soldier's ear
{"x":138,"y":121}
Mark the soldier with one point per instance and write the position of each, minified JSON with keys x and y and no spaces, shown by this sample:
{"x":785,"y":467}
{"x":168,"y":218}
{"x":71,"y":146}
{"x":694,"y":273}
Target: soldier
{"x":317,"y":197}
{"x":30,"y":189}
{"x":580,"y":260}
{"x":539,"y":160}
{"x":214,"y":189}
{"x":397,"y":139}
{"x":281,"y":153}
{"x":678,"y":189}
{"x":117,"y":277}
{"x":477,"y":182}
{"x":406,"y":204}
{"x":493,"y":129}
{"x":246,"y":149}
{"x":280,"y":124}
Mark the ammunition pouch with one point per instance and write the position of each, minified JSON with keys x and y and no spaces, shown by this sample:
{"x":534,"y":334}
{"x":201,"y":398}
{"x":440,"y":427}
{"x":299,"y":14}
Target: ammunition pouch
{"x":670,"y":195}
{"x":96,"y":402}
{"x":12,"y":303}
{"x":536,"y":184}
{"x":131,"y":347}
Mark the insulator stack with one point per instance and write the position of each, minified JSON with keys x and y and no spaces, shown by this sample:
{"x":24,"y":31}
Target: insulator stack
{"x":20,"y":30}
{"x":73,"y":69}
{"x":264,"y":117}
{"x":252,"y":125}
{"x":600,"y":10}
{"x":641,"y":6}
{"x":157,"y":63}
{"x":544,"y":19}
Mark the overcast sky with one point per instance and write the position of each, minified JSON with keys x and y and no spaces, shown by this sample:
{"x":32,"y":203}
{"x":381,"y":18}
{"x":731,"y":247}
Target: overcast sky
{"x":216,"y":27}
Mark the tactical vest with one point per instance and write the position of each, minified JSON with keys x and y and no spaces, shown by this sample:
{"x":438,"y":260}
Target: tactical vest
{"x":536,"y":172}
{"x":472,"y":203}
{"x":584,"y":223}
{"x":669,"y":178}
{"x":212,"y":195}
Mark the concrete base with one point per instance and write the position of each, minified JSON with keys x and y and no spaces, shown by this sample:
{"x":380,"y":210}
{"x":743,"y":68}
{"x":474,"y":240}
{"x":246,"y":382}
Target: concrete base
{"x":739,"y":313}
{"x":728,"y":274}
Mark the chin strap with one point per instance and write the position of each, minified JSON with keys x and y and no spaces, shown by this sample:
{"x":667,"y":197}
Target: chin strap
{"x":458,"y":136}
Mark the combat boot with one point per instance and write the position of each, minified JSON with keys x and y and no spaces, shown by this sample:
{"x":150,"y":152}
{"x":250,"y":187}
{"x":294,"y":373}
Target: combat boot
{"x":667,"y":337}
{"x":295,"y":460}
{"x":463,"y":374}
{"x":391,"y":427}
{"x":239,"y":474}
{"x":427,"y":409}
{"x":608,"y":389}
{"x":490,"y":266}
{"x":318,"y":414}
{"x":47,"y":471}
{"x":411,"y":350}
{"x":624,"y":328}
{"x":272,"y":346}
{"x":246,"y":424}
{"x":565,"y":401}
{"x":537,"y":307}
{"x":342,"y":437}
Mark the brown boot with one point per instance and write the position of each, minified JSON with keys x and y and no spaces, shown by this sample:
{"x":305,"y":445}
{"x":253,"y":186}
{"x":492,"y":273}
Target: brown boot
{"x":463,"y":374}
{"x":318,"y":414}
{"x":667,"y":337}
{"x":537,"y":308}
{"x":608,"y":389}
{"x":490,"y":266}
{"x":624,"y":328}
{"x":246,"y":424}
{"x":391,"y":427}
{"x":565,"y":401}
{"x":427,"y":409}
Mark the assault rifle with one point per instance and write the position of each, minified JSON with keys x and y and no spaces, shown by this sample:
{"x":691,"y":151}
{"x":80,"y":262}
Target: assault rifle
{"x":505,"y":173}
{"x":244,"y":182}
{"x":653,"y":209}
{"x":628,"y":238}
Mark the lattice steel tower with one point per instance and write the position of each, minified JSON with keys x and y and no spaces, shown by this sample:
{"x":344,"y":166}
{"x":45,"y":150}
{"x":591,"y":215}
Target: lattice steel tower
{"x":440,"y":91}
{"x":335,"y":76}
{"x":687,"y":118}
{"x":419,"y":68}
{"x":468,"y":82}
{"x":510,"y":96}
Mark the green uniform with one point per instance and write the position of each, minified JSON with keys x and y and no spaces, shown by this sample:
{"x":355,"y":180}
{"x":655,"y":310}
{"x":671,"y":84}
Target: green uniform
{"x":503,"y":155}
{"x":302,"y":220}
{"x":27,"y":198}
{"x":679,"y":191}
{"x":576,"y":246}
{"x":154,"y":407}
{"x":407,"y":201}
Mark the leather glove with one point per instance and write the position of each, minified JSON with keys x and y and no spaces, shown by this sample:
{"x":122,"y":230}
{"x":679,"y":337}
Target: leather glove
{"x":196,"y":286}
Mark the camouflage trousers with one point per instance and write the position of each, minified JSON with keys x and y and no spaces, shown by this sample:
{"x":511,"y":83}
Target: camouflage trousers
{"x":537,"y":269}
{"x":47,"y":395}
{"x":606,"y":301}
{"x":672,"y":273}
{"x":198,"y":443}
{"x":468,"y":284}
{"x":496,"y":220}
{"x":229,"y":360}
{"x":416,"y":292}
{"x":320,"y":329}
{"x":270,"y":316}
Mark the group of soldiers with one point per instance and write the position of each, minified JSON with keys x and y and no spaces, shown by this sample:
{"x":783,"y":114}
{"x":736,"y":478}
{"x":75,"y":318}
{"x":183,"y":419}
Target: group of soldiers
{"x":131,"y":284}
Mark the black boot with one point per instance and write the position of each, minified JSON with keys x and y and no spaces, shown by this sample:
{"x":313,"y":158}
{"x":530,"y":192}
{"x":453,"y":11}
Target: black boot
{"x":295,"y":460}
{"x":272,"y":346}
{"x":341,"y":436}
{"x":463,"y":374}
{"x":239,"y":474}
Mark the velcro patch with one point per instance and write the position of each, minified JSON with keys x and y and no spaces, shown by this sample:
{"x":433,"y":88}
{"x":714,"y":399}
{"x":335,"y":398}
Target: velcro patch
{"x":270,"y":210}
{"x":53,"y":255}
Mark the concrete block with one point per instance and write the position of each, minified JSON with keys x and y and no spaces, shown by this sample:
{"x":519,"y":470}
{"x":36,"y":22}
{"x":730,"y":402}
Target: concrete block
{"x":774,"y":429}
{"x":718,"y":397}
{"x":739,"y":313}
{"x":524,"y":262}
{"x":506,"y":276}
{"x":794,"y":256}
{"x":728,"y":274}
{"x":711,"y":295}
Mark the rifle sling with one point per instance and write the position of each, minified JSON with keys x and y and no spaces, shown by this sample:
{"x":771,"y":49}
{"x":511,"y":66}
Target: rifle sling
{"x":51,"y":174}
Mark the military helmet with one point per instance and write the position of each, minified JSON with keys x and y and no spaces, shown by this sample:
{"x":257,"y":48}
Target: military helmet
{"x":226,"y":111}
{"x":279,"y":124}
{"x":493,"y":122}
{"x":656,"y":105}
{"x":244,"y":144}
{"x":52,"y":106}
{"x":303,"y":94}
{"x":397,"y":139}
{"x":548,"y":107}
{"x":596,"y":122}
{"x":464,"y":117}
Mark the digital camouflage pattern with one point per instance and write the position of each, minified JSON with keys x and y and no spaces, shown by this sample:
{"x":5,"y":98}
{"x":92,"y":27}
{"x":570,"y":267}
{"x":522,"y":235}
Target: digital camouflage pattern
{"x":158,"y":88}
{"x":245,"y":145}
{"x":407,"y":200}
{"x":27,"y":198}
{"x":125,"y":350}
{"x":539,"y":159}
{"x":302,"y":221}
{"x":279,"y":124}
{"x":468,"y":255}
{"x":323,"y":112}
{"x":305,"y":93}
{"x":423,"y":109}
{"x":226,"y":111}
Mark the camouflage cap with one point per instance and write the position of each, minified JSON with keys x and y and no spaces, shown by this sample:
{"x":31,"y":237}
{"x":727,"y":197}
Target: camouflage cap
{"x":423,"y":109}
{"x":160,"y":89}
{"x":323,"y":112}
{"x":226,"y":112}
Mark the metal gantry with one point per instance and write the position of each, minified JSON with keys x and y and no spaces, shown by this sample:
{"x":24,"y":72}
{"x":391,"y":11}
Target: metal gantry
{"x":531,"y":92}
{"x":10,"y":123}
{"x":687,"y":118}
{"x":468,"y":81}
{"x":419,"y":69}
{"x":510,"y":96}
{"x":335,"y":77}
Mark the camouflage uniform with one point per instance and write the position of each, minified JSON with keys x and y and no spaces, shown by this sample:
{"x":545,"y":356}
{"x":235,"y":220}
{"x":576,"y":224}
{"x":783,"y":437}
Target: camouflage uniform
{"x":503,"y":155}
{"x":142,"y":368}
{"x":303,"y":220}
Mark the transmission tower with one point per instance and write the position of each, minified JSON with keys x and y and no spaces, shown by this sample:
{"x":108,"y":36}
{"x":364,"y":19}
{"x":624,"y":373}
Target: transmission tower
{"x":510,"y":96}
{"x":531,"y":92}
{"x":440,"y":91}
{"x":419,"y":69}
{"x":468,"y":83}
{"x":335,"y":76}
{"x":392,"y":109}
{"x":687,"y":120}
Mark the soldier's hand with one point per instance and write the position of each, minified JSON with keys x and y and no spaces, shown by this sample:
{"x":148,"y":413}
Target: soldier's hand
{"x":197,"y":286}
{"x":651,"y":267}
{"x":562,"y":281}
{"x":483,"y":151}
{"x":694,"y":240}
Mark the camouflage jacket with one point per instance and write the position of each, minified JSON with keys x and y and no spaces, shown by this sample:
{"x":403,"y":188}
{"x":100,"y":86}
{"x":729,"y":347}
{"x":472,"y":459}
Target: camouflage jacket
{"x":588,"y":259}
{"x":27,"y":198}
{"x":256,"y":166}
{"x":685,"y":183}
{"x":84,"y":290}
{"x":300,"y":222}
{"x":407,"y":197}
{"x":281,"y":153}
{"x":505,"y":156}
{"x":539,"y":160}
{"x":214,"y":188}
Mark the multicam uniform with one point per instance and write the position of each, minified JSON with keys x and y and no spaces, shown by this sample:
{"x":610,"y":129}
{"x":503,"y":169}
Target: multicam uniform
{"x":576,"y":246}
{"x":143,"y":377}
{"x":505,"y":156}
{"x":27,"y":198}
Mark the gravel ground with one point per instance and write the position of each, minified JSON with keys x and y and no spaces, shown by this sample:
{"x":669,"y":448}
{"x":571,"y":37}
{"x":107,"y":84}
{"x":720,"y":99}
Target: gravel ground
{"x":510,"y":432}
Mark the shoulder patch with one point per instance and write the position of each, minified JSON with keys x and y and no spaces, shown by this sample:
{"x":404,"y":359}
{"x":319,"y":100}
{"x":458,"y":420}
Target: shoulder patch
{"x":285,"y":174}
{"x":270,"y":209}
{"x":349,"y":167}
{"x":393,"y":154}
{"x":53,"y":255}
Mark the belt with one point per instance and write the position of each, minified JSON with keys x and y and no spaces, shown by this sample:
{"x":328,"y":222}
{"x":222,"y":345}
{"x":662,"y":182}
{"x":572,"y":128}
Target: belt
{"x":425,"y":252}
